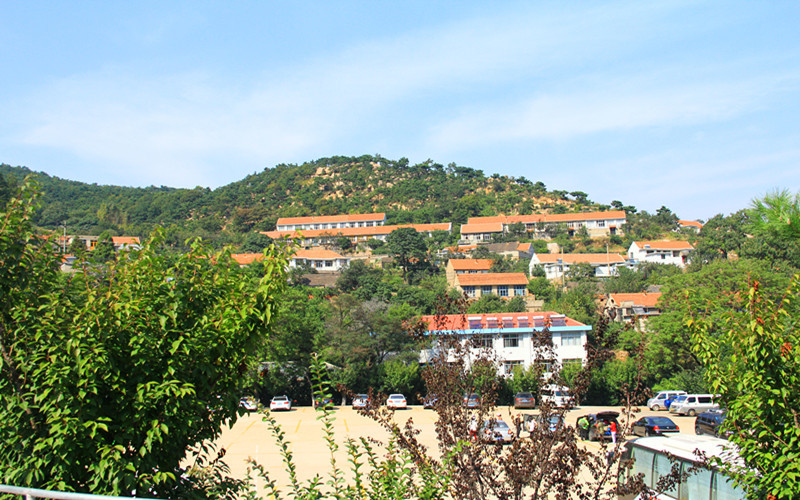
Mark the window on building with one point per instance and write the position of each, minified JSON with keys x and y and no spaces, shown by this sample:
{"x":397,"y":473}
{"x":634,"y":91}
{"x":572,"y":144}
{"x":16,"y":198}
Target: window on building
{"x":482,"y":341}
{"x":502,"y":290}
{"x":571,"y":361}
{"x":519,"y":290}
{"x":508,"y":366}
{"x":571,"y":339}
{"x":328,"y":263}
{"x":601,"y":223}
{"x":511,"y":340}
{"x":486,"y":290}
{"x":469,"y":291}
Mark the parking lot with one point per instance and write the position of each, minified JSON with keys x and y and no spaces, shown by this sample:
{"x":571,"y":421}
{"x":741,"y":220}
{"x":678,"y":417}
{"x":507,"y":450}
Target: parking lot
{"x":250,"y":437}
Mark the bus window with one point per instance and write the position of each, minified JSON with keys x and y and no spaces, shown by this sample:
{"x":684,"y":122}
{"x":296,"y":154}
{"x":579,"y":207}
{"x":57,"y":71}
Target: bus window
{"x":723,"y":488}
{"x":696,"y":485}
{"x":662,"y":467}
{"x":643,"y":464}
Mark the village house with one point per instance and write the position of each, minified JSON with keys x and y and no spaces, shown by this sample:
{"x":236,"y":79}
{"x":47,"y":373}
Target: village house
{"x":556,"y":266}
{"x":466,"y":266}
{"x":505,"y":285}
{"x":513,"y":336}
{"x":324,"y":261}
{"x":660,"y":252}
{"x":627,"y":307}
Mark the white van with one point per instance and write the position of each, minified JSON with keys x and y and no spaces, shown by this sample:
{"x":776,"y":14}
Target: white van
{"x":694,"y":404}
{"x":556,"y":395}
{"x":659,"y":402}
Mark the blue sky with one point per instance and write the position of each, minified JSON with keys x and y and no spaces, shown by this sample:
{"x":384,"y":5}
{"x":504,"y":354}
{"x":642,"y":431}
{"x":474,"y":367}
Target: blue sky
{"x":691,"y":105}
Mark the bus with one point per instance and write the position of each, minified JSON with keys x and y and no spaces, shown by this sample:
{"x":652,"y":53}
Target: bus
{"x":653,"y":457}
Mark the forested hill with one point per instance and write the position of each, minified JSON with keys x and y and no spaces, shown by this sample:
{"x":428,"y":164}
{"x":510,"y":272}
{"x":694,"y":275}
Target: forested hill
{"x":426,"y":192}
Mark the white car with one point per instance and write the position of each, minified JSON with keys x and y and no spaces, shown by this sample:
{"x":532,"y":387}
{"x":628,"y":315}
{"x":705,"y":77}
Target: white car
{"x":280,"y":403}
{"x":248,"y":404}
{"x":360,"y":401}
{"x":396,"y":401}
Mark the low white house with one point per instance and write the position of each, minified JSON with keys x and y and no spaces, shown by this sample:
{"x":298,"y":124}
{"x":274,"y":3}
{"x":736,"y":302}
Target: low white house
{"x":320,"y":259}
{"x":514,"y":338}
{"x":557,"y":265}
{"x":661,"y":252}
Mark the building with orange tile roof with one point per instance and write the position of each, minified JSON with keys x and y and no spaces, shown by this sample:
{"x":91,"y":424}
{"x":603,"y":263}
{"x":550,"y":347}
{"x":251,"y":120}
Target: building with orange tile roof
{"x":504,"y":285}
{"x":320,"y":259}
{"x":126,"y":242}
{"x":313,"y":237}
{"x":627,"y":307}
{"x":244,"y":259}
{"x":660,"y":252}
{"x":690,"y":224}
{"x":330,"y":221}
{"x":513,"y":338}
{"x":597,"y":224}
{"x":474,"y":233}
{"x":465,"y":266}
{"x":557,"y":265}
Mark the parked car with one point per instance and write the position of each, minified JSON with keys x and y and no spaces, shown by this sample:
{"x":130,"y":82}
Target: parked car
{"x":551,"y":423}
{"x":320,"y":402}
{"x":524,"y":400}
{"x":248,"y":403}
{"x":360,"y":401}
{"x":496,"y":431}
{"x":556,"y":395}
{"x":429,"y":401}
{"x":280,"y":403}
{"x":663,"y":400}
{"x":605,"y":417}
{"x":694,"y":404}
{"x":654,"y":426}
{"x":709,"y":422}
{"x":677,"y":402}
{"x":471,"y":401}
{"x":396,"y":401}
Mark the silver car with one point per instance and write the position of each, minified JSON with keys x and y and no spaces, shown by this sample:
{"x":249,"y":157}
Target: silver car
{"x":496,"y":431}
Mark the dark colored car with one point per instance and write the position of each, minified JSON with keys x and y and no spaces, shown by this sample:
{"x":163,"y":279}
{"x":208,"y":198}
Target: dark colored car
{"x":654,"y":426}
{"x":323,"y":402}
{"x":709,"y":422}
{"x":524,"y":400}
{"x":604,"y":418}
{"x":429,"y":401}
{"x":471,"y":401}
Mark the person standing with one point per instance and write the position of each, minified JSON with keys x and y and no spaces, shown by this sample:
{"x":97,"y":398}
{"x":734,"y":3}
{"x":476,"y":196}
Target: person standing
{"x":613,"y":428}
{"x":583,"y":425}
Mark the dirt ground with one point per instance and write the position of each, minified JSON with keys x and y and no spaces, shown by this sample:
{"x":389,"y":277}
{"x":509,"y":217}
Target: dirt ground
{"x":251,"y":438}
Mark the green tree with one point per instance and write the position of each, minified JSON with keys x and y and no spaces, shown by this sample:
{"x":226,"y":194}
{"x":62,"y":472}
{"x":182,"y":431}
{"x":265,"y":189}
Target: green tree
{"x":407,"y":245}
{"x":777,"y":212}
{"x":110,"y":378}
{"x":754,"y":364}
{"x":104,"y":249}
{"x":255,"y":242}
{"x":716,"y":291}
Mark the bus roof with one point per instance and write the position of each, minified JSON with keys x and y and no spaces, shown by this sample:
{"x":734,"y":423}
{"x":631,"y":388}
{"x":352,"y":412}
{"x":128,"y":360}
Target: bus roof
{"x":689,"y":447}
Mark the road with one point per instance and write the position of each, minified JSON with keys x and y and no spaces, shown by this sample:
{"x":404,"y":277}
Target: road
{"x":251,"y":438}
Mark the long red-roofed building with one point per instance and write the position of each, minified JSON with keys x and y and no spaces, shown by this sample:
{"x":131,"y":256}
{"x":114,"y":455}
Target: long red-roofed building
{"x":311,"y":237}
{"x":597,"y":224}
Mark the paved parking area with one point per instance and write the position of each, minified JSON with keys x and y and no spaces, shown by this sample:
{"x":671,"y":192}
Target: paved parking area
{"x":250,"y":437}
